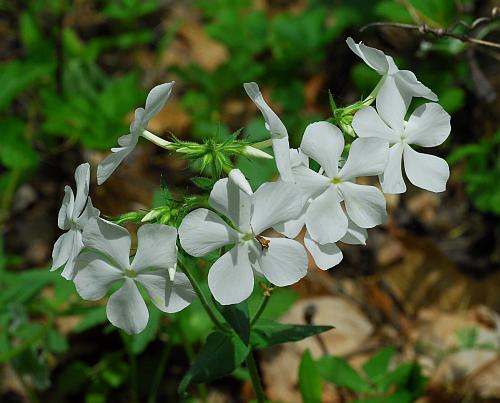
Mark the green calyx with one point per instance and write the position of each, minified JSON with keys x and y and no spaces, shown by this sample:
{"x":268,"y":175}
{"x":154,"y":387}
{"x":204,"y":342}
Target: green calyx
{"x":215,"y":156}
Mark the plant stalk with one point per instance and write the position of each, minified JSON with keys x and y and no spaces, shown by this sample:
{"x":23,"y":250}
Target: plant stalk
{"x":201,"y":296}
{"x":254,"y":376}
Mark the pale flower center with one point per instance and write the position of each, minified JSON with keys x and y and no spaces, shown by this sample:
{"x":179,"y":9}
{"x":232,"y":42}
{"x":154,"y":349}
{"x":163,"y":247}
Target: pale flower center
{"x":336,"y":180}
{"x":130,"y":273}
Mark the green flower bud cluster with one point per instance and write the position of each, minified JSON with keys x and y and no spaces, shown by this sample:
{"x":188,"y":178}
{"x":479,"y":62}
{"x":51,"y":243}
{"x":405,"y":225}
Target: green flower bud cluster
{"x":214,"y":156}
{"x":162,"y":215}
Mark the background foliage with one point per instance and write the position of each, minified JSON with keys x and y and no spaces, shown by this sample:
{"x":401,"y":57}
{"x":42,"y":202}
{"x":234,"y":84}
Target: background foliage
{"x":72,"y":72}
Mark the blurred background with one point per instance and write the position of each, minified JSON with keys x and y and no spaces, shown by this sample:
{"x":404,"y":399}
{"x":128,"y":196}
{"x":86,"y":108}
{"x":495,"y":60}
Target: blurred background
{"x":422,"y":296}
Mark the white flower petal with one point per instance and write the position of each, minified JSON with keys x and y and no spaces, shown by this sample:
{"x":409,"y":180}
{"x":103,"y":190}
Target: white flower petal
{"x":391,"y":105}
{"x":109,"y":164}
{"x":69,"y":270}
{"x":374,"y":58}
{"x":156,"y":99}
{"x":89,"y":212}
{"x":203,"y":231}
{"x":66,"y":210}
{"x":426,"y":171}
{"x":325,"y":256}
{"x":62,"y":250}
{"x":109,"y":239}
{"x":273,"y":122}
{"x":230,"y":200}
{"x":82,"y":179}
{"x":326,"y":222}
{"x":231,"y":277}
{"x":156,"y":247}
{"x":310,"y":182}
{"x":277,"y":130}
{"x":273,"y":203}
{"x":408,"y":83}
{"x":281,"y":150}
{"x":127,"y":310}
{"x":136,"y":128}
{"x":367,"y":123}
{"x":284,"y":262}
{"x":364,"y":204}
{"x":324,"y":143}
{"x":367,"y":157}
{"x":297,"y":157}
{"x":94,"y":276}
{"x":167,"y":295}
{"x":428,"y":126}
{"x":237,"y":177}
{"x":292,"y":228}
{"x":355,"y":235}
{"x":392,"y":179}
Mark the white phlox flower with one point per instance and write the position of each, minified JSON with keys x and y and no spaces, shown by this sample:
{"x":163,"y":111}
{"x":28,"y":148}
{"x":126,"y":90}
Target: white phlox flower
{"x":325,"y":219}
{"x":428,"y":126}
{"x":155,"y":101}
{"x":282,"y":261}
{"x":397,"y":84}
{"x":325,"y":255}
{"x":277,"y":130}
{"x":73,"y":215}
{"x":105,"y":261}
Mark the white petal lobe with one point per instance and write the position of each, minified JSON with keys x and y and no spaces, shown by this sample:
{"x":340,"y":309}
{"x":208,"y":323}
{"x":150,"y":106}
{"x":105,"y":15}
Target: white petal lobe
{"x":127,"y":310}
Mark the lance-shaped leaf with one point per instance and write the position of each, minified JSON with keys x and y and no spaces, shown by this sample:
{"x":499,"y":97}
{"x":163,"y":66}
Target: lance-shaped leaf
{"x":221,"y":354}
{"x":268,"y":333}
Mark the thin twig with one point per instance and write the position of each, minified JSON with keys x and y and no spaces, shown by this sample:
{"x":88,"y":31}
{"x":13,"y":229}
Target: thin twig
{"x":442,"y":32}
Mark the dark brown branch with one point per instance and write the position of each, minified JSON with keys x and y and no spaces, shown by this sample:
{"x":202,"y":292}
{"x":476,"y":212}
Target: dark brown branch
{"x":444,"y":32}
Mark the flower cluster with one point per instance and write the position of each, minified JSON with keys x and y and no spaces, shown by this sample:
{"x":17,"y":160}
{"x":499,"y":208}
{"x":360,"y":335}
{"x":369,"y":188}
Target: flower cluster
{"x":254,"y":232}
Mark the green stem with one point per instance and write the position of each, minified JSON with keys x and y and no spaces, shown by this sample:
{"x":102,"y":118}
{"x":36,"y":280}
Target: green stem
{"x":160,"y":371}
{"x":206,"y":305}
{"x":260,"y":309}
{"x":254,"y":376}
{"x":263,"y":144}
{"x":134,"y":387}
{"x":371,"y":97}
{"x":188,"y":348}
{"x":157,"y":140}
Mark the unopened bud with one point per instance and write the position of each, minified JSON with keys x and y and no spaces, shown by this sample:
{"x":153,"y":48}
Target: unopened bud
{"x":250,"y":151}
{"x":152,"y":215}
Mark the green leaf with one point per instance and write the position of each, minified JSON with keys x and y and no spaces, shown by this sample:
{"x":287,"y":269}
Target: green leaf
{"x":140,"y":341}
{"x":376,"y":366}
{"x":406,"y":376}
{"x":221,"y":354}
{"x":401,"y":396}
{"x":56,"y":342}
{"x":92,"y":317}
{"x":309,"y":379}
{"x":338,"y":371}
{"x":203,"y":183}
{"x":237,"y":316}
{"x":268,"y":333}
{"x":16,"y":76}
{"x":15,"y":151}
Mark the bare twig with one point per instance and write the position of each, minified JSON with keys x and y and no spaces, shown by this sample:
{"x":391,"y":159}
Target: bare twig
{"x":448,"y":31}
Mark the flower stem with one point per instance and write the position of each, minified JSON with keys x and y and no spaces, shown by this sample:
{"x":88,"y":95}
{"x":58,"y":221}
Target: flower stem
{"x":371,"y":97}
{"x":254,"y":376}
{"x":261,"y":308}
{"x":206,"y":305}
{"x":263,"y":144}
{"x":157,"y":140}
{"x":160,"y":371}
{"x":134,"y":387}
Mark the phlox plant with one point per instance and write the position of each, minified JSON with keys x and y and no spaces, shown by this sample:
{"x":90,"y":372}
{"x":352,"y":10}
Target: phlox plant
{"x":252,"y":232}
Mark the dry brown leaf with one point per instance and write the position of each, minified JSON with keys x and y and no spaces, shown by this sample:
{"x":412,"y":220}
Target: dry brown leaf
{"x":204,"y":50}
{"x":280,"y":364}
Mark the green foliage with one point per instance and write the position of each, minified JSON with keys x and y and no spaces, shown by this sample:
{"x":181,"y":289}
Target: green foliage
{"x":267,"y":333}
{"x":377,"y":382}
{"x":221,"y":354}
{"x":237,"y":316}
{"x":96,"y":117}
{"x":481,"y":172}
{"x":309,"y":379}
